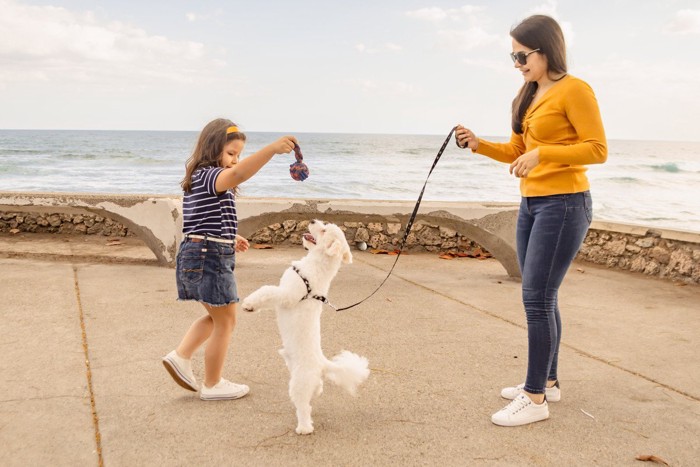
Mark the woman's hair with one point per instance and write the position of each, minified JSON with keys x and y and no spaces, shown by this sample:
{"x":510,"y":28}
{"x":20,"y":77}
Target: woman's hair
{"x":210,"y":145}
{"x":537,"y":32}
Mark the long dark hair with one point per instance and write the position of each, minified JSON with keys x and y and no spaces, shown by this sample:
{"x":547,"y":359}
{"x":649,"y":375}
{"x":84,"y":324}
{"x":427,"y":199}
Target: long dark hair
{"x":538,"y":32}
{"x":210,"y":145}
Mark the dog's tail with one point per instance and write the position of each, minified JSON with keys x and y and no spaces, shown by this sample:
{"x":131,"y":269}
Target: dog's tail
{"x":348,"y":370}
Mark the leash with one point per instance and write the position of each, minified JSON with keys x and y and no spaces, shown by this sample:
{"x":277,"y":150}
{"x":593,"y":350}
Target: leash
{"x":409,"y":225}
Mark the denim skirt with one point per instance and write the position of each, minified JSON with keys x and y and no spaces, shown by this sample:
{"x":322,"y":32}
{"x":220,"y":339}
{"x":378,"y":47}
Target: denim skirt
{"x":204,"y":272}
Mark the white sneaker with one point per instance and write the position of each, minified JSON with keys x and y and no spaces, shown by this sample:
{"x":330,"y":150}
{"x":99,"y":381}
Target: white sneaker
{"x":553,"y":394}
{"x":181,"y":370}
{"x":521,"y":411}
{"x":223,"y":390}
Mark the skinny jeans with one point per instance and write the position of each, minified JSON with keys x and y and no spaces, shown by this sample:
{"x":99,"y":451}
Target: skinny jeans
{"x":549,"y":233}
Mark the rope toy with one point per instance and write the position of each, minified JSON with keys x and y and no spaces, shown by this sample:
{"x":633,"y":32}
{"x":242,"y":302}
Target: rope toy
{"x":298,"y":170}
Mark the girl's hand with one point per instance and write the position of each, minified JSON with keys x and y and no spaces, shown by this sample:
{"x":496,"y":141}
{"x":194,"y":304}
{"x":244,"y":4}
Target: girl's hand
{"x":524,"y":164}
{"x":241,"y":244}
{"x":466,"y":138}
{"x":284,"y":145}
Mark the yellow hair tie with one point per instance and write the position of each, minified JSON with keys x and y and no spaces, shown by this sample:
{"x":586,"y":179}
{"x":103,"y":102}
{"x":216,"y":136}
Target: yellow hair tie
{"x":231,"y":129}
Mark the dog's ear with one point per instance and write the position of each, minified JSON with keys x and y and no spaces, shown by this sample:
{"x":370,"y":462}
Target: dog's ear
{"x":333,"y":247}
{"x":347,"y":256}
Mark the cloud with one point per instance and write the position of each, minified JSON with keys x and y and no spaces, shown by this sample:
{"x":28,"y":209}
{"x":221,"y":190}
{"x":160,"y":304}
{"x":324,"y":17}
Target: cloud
{"x":684,"y":22}
{"x":48,"y":43}
{"x":386,"y":47}
{"x":386,"y":88}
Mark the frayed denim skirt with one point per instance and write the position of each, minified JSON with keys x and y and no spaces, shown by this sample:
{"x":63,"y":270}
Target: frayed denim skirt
{"x":204,"y":272}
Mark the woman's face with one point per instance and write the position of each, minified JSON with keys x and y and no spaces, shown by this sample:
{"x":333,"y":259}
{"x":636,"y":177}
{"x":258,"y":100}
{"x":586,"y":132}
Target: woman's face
{"x":535,"y":68}
{"x":231,"y":153}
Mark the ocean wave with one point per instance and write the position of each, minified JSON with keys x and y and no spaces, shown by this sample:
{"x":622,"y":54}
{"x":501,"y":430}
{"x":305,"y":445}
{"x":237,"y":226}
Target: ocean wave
{"x":670,"y":167}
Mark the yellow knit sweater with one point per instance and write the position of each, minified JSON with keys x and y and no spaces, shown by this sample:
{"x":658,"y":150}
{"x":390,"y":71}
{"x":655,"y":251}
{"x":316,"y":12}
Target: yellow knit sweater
{"x":566,"y":125}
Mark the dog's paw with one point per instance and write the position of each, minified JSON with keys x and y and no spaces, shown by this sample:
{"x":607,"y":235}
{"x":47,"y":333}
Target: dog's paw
{"x":248,"y":306}
{"x":304,"y":429}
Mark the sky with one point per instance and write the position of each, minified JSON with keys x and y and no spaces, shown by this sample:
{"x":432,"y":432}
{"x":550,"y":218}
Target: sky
{"x":362,"y":66}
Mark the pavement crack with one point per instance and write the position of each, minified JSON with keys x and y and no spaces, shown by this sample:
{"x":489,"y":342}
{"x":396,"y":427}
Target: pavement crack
{"x":95,"y":418}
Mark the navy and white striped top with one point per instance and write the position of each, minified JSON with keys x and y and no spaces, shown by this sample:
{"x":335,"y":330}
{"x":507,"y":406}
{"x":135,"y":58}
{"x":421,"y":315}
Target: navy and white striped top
{"x":206,"y":212}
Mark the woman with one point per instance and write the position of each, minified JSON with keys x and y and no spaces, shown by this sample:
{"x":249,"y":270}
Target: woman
{"x":556,"y":131}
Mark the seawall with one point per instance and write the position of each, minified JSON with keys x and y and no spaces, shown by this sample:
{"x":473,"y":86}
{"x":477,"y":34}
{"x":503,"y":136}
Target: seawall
{"x":458,"y":229}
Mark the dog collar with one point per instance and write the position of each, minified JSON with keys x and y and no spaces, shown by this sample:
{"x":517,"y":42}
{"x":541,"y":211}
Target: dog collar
{"x":320,"y":298}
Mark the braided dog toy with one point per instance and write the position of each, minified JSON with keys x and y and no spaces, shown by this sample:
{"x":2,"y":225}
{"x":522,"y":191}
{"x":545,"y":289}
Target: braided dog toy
{"x":298,"y":170}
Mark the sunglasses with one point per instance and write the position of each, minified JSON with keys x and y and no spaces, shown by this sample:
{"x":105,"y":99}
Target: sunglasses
{"x":521,"y":57}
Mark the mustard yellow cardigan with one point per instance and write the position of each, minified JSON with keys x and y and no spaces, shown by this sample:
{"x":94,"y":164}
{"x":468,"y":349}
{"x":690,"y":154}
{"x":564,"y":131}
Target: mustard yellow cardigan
{"x":566,"y":125}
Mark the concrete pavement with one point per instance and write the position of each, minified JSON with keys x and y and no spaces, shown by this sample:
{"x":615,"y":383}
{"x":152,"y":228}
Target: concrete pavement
{"x":84,"y":325}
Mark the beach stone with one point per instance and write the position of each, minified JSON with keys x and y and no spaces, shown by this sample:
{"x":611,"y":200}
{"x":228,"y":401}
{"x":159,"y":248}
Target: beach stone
{"x":638,"y":264}
{"x":660,"y":254}
{"x":646,"y":242}
{"x":429,"y":236}
{"x":681,"y":261}
{"x":54,"y":220}
{"x":392,"y":228}
{"x":362,"y":235}
{"x":303,"y":226}
{"x":652,"y":268}
{"x":351,"y":225}
{"x":616,"y":247}
{"x":633,"y":248}
{"x":375,"y":227}
{"x":275,"y":227}
{"x":446,"y":232}
{"x":289,"y":225}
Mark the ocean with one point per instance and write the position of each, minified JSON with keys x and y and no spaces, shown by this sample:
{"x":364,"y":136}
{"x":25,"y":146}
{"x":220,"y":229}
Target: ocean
{"x":649,"y":183}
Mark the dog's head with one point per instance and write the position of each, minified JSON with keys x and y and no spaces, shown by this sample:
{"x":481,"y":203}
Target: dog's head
{"x":330,"y":238}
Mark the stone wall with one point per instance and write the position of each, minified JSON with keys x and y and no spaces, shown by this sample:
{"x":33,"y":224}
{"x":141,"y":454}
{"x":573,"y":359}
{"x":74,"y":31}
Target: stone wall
{"x":658,"y":253}
{"x":380,"y":236}
{"x":76,"y":224}
{"x":645,"y":251}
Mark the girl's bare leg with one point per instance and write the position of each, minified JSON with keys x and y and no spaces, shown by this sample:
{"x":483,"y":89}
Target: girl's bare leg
{"x":196,"y":335}
{"x":223,"y":322}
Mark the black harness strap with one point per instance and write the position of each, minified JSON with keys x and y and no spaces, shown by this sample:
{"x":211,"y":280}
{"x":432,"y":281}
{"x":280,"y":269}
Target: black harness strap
{"x":320,"y":298}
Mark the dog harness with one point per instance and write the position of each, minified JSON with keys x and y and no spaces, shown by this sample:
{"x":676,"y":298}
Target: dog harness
{"x":320,"y":298}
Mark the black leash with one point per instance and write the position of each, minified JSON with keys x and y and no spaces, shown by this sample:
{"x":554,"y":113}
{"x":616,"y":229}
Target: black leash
{"x":409,"y":225}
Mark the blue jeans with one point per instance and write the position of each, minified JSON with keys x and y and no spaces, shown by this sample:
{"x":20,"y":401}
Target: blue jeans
{"x":550,"y":231}
{"x":205,"y":272}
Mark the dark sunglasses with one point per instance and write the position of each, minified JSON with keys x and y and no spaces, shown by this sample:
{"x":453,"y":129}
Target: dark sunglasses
{"x":521,"y":57}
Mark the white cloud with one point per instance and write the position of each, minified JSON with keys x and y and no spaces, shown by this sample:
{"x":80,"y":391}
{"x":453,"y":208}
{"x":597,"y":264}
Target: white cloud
{"x":466,"y":39}
{"x":386,"y":47}
{"x":428,"y":14}
{"x":53,"y":43}
{"x":684,"y":22}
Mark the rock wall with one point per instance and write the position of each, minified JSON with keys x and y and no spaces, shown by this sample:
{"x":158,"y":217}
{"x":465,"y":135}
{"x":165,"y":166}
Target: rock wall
{"x":379,"y":236}
{"x":657,"y":253}
{"x":647,"y":253}
{"x":77,"y":224}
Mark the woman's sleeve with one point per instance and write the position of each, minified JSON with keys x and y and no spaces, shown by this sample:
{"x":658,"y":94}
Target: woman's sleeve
{"x":582,"y":110}
{"x":502,"y":152}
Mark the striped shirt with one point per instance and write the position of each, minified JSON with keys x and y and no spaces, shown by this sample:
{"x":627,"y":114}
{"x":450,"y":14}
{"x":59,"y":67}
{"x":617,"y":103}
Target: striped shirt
{"x":206,"y":212}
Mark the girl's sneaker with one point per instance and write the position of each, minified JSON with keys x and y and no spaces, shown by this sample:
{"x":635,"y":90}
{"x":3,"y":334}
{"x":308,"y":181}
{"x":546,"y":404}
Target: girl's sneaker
{"x":223,"y":390}
{"x":553,"y":394}
{"x":521,"y":411}
{"x":181,"y":370}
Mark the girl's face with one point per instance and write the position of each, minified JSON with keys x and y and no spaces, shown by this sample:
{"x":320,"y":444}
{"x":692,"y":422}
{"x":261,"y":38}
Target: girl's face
{"x":535,"y":68}
{"x":231,"y":153}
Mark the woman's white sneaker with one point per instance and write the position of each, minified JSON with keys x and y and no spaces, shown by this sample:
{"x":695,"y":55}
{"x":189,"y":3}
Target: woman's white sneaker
{"x":223,"y":390}
{"x":181,"y":370}
{"x":553,"y":394}
{"x":521,"y":411}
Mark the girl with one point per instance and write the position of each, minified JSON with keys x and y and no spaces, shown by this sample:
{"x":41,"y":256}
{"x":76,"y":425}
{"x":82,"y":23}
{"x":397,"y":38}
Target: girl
{"x":206,"y":258}
{"x":557,"y":130}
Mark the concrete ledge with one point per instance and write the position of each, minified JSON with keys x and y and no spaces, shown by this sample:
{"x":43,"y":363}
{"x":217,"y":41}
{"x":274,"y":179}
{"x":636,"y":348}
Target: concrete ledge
{"x":157,"y":220}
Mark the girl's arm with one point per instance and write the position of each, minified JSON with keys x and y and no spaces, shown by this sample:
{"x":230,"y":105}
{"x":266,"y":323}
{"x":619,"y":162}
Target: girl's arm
{"x":242,"y":171}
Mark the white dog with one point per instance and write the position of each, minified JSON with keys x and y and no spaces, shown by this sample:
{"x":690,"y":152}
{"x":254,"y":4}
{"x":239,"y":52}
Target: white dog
{"x":298,"y":301}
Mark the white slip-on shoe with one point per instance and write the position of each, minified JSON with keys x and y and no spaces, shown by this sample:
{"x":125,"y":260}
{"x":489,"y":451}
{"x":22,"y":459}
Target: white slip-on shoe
{"x":553,"y":394}
{"x":223,"y":390}
{"x":181,"y":370}
{"x":521,"y":411}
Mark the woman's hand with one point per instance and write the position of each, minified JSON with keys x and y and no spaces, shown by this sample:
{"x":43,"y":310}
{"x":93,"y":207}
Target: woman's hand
{"x":241,"y":244}
{"x":284,"y":145}
{"x":524,"y":164}
{"x":466,"y":138}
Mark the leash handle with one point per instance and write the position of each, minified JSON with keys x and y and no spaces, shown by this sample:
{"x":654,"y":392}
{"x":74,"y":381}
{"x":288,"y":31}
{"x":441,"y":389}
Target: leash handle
{"x":409,"y":225}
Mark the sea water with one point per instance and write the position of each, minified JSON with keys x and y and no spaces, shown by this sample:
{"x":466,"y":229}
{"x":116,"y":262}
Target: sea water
{"x":655,"y":184}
